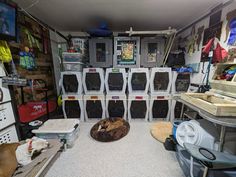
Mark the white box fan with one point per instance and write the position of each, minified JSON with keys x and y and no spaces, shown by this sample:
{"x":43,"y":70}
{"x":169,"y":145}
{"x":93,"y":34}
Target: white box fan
{"x":93,"y":80}
{"x":71,"y":82}
{"x":94,"y":106}
{"x":138,"y":106}
{"x":138,"y":80}
{"x":191,"y":132}
{"x":116,"y":106}
{"x":115,"y":81}
{"x":160,"y":107}
{"x":180,"y":82}
{"x":73,"y":107}
{"x":160,"y":80}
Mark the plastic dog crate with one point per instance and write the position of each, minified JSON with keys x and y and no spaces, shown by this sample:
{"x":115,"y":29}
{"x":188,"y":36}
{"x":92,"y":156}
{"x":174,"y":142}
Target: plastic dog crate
{"x":180,"y":82}
{"x":93,"y":81}
{"x":138,"y":81}
{"x":71,"y":82}
{"x":94,"y":106}
{"x":152,"y":51}
{"x":100,"y":52}
{"x":138,"y":106}
{"x":160,"y":80}
{"x":8,"y":135}
{"x":73,"y":106}
{"x":160,"y":107}
{"x":126,"y":52}
{"x":116,"y":106}
{"x":115,"y":81}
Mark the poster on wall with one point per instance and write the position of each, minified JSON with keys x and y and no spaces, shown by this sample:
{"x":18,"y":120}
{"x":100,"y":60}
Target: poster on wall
{"x":209,"y":33}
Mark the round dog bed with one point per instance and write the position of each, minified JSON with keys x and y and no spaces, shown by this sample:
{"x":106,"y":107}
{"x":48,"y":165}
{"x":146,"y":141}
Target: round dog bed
{"x":110,"y":129}
{"x":161,"y":130}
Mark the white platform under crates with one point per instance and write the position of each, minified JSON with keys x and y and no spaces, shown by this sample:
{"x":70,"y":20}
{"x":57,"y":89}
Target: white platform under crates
{"x":110,"y":71}
{"x":115,"y":99}
{"x":135,"y":103}
{"x":101,"y":74}
{"x":90,"y":112}
{"x":163,"y":110}
{"x":79,"y":98}
{"x":154,"y":80}
{"x":78,"y":76}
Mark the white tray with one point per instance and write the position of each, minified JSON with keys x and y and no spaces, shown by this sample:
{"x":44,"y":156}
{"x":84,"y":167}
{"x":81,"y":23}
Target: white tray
{"x":58,"y":126}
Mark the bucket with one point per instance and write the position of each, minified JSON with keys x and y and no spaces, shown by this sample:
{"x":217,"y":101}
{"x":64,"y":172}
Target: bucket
{"x":176,"y":123}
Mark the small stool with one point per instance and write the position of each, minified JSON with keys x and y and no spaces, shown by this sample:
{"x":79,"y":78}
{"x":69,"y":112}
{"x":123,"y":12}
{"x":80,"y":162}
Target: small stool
{"x":64,"y":129}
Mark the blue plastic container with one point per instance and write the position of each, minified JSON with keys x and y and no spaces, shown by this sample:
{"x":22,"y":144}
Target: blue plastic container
{"x":176,"y":123}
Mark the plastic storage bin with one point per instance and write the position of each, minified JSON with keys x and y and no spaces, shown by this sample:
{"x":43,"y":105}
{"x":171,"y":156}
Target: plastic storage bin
{"x":66,"y":130}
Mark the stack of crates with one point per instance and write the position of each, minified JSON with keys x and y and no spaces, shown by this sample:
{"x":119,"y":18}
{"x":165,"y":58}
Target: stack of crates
{"x":116,"y":99}
{"x":94,"y":97}
{"x":160,"y":97}
{"x":138,"y":98}
{"x":72,"y":94}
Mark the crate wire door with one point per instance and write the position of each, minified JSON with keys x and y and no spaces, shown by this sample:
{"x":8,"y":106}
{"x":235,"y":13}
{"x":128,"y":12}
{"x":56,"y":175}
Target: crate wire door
{"x":160,"y":107}
{"x":100,"y":51}
{"x":176,"y":109}
{"x":71,"y":82}
{"x":152,"y":51}
{"x":138,"y":81}
{"x":116,"y":106}
{"x":93,"y":80}
{"x":115,"y":81}
{"x":138,"y":107}
{"x":160,"y":81}
{"x":73,"y":107}
{"x":94,"y":106}
{"x":180,"y":82}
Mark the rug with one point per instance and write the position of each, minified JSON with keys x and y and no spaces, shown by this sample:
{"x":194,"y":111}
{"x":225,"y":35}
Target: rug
{"x":161,"y":130}
{"x":110,"y":129}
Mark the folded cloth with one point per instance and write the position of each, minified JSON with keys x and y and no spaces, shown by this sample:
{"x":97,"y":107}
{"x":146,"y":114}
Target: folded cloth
{"x":26,"y":151}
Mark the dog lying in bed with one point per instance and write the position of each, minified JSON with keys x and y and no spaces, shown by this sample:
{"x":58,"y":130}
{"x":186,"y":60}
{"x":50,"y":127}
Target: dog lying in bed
{"x":14,"y":154}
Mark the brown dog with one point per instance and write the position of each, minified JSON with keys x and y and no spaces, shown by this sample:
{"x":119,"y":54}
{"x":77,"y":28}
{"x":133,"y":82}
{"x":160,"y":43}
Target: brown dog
{"x":8,"y":161}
